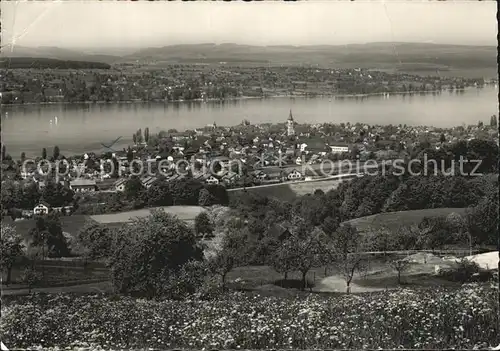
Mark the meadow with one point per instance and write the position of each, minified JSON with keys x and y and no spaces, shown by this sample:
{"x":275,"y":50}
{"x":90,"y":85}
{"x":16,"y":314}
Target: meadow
{"x":394,"y":220}
{"x":290,"y":191}
{"x":70,"y":224}
{"x":185,"y":213}
{"x":463,"y":318}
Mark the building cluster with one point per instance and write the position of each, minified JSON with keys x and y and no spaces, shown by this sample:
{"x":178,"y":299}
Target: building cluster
{"x":248,"y":155}
{"x":198,"y":82}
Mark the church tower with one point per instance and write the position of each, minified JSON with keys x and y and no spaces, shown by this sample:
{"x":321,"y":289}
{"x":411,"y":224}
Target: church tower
{"x":289,"y":125}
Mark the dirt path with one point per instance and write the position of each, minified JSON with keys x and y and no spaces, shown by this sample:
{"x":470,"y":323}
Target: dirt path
{"x":337,"y":284}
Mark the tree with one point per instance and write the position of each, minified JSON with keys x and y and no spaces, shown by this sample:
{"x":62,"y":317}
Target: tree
{"x":94,"y":239}
{"x":307,"y":249}
{"x":346,"y":249}
{"x":219,"y":194}
{"x":493,"y":121}
{"x":459,"y":225}
{"x":44,"y":153}
{"x":158,"y":194}
{"x":202,"y":224}
{"x":10,"y":249}
{"x":229,"y":256}
{"x":482,"y":220}
{"x":4,"y":152}
{"x":133,"y":188}
{"x":400,"y":266}
{"x":134,"y":138}
{"x":205,"y":198}
{"x":55,"y":194}
{"x":442,"y":138}
{"x":30,"y":277}
{"x":282,"y":260}
{"x":435,"y":232}
{"x":407,"y":238}
{"x":56,"y":152}
{"x":146,"y":134}
{"x":148,"y":251}
{"x":319,"y":192}
{"x":48,"y":232}
{"x":130,"y":154}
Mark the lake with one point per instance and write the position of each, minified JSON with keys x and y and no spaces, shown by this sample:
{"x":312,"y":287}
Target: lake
{"x":78,"y":128}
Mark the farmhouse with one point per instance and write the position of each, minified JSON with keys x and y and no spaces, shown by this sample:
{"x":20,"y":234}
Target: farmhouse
{"x":293,"y":175}
{"x":119,"y":185}
{"x":230,"y":178}
{"x":41,"y":209}
{"x":212,"y":180}
{"x":82,"y":185}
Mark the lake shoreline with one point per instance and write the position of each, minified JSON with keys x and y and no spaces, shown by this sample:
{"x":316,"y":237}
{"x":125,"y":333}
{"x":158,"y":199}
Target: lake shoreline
{"x":239,"y":98}
{"x":83,"y":127}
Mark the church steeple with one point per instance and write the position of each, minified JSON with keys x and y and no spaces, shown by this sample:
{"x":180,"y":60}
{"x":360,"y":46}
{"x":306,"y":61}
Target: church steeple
{"x":290,"y":130}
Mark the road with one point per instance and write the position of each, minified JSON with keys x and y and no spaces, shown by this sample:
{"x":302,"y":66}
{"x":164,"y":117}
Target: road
{"x":328,"y":168}
{"x":339,"y":177}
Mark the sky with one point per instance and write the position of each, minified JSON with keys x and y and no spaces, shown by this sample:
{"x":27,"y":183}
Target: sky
{"x":92,"y":24}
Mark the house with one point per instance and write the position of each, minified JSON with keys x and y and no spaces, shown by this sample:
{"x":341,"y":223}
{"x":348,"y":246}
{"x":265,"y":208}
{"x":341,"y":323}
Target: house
{"x":176,"y":177}
{"x":336,"y":149}
{"x":41,"y":209}
{"x":222,"y":160}
{"x":212,"y":180}
{"x":26,"y":175}
{"x":26,"y":213}
{"x":119,"y":185}
{"x":293,"y":175}
{"x":63,"y":209}
{"x":82,"y":185}
{"x":147,"y":181}
{"x":280,"y":231}
{"x":259,"y":175}
{"x":230,"y":178}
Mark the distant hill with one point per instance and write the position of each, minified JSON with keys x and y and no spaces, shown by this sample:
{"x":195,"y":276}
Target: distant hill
{"x":56,"y":53}
{"x":39,"y":63}
{"x":376,"y":55}
{"x":405,"y":57}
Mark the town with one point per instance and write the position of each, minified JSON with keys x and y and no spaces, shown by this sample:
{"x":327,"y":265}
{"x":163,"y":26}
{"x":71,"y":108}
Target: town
{"x":213,"y":176}
{"x":126,"y":83}
{"x":241,"y":156}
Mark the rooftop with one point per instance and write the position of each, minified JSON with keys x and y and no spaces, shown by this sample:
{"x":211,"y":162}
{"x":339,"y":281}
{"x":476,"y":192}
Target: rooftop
{"x":82,"y":182}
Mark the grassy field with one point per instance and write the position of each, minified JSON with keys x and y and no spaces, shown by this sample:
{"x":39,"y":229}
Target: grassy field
{"x":70,"y":224}
{"x":393,"y":220}
{"x":185,"y":213}
{"x":290,"y":191}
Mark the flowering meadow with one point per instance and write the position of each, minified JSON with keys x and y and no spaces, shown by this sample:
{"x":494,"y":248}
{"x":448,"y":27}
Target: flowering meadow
{"x":463,"y":318}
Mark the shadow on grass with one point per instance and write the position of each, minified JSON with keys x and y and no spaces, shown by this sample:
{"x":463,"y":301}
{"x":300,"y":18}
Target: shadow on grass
{"x":293,"y":284}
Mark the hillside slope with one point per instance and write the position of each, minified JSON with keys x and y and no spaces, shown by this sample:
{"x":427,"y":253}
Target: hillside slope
{"x":393,"y":220}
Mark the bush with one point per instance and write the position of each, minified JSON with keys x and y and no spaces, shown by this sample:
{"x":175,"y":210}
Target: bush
{"x":184,"y":283}
{"x":31,"y":278}
{"x":463,"y":272}
{"x":202,"y":224}
{"x":149,"y":252}
{"x":94,"y":240}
